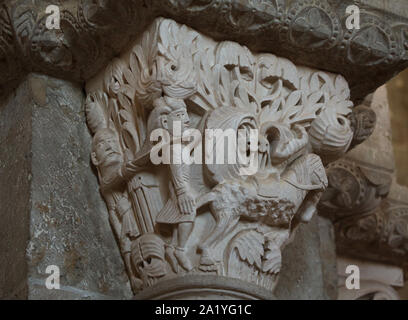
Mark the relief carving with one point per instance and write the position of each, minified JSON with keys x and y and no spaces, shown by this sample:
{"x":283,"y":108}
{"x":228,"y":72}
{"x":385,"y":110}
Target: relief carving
{"x":368,"y":223}
{"x":93,"y":32}
{"x":210,"y":218}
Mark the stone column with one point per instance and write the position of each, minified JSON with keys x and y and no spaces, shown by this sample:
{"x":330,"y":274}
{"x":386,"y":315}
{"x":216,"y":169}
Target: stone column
{"x":51,"y":209}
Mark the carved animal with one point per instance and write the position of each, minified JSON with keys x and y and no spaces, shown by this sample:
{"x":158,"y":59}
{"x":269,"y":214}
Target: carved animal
{"x":275,"y":203}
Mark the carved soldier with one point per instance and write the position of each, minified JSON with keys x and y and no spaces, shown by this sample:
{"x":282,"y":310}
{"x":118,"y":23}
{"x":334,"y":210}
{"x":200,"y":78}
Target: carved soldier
{"x":142,"y":186}
{"x":171,"y":114}
{"x":113,"y":174}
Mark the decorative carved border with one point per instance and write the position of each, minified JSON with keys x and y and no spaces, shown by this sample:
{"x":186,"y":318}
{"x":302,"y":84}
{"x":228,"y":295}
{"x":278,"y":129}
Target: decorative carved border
{"x":309,"y":32}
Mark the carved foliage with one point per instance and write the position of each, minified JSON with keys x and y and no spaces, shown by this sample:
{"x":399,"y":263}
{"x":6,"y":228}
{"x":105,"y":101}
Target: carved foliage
{"x":173,"y":72}
{"x":89,"y":34}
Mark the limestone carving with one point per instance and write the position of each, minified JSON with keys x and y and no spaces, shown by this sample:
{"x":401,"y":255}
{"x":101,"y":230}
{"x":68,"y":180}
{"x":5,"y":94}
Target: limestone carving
{"x":208,"y":217}
{"x":93,"y":32}
{"x":368,"y":223}
{"x":362,"y":121}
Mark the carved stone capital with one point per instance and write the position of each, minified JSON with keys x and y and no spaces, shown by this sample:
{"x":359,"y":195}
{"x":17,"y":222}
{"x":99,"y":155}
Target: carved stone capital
{"x":177,"y":222}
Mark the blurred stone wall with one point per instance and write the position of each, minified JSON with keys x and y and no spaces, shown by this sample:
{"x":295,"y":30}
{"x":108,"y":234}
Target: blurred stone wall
{"x":398,"y":100}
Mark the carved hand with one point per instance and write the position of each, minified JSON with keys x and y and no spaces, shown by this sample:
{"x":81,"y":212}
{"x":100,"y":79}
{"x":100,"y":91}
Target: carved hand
{"x":130,"y":168}
{"x":186,"y":203}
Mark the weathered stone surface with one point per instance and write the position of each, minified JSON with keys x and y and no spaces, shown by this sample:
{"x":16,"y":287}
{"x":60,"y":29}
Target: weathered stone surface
{"x":302,"y":275}
{"x":68,"y":220}
{"x":328,"y":256}
{"x":377,"y":150}
{"x":15,"y":173}
{"x":398,"y":7}
{"x":61,"y":205}
{"x":368,"y":208}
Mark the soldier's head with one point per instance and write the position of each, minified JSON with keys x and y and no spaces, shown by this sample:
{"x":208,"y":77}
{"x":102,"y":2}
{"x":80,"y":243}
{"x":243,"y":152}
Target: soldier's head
{"x":169,"y":113}
{"x":105,"y":148}
{"x":148,"y":258}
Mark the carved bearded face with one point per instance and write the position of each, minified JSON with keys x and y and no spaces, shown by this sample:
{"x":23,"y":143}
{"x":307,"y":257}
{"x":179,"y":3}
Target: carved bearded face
{"x":106,"y":148}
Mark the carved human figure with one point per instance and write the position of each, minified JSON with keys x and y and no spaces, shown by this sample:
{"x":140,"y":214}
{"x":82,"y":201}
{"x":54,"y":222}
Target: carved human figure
{"x":273,"y":200}
{"x":304,"y":179}
{"x":113,"y":174}
{"x":301,"y":118}
{"x":171,"y":115}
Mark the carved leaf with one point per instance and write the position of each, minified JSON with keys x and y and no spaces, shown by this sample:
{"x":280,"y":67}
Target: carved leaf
{"x":250,"y":248}
{"x":293,"y":99}
{"x":314,"y":97}
{"x":130,"y":137}
{"x":272,"y":259}
{"x":96,"y":108}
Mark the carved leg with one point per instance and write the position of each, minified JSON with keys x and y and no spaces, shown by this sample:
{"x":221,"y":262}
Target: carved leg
{"x":224,"y":223}
{"x":184,"y":232}
{"x":170,"y":251}
{"x":221,"y":223}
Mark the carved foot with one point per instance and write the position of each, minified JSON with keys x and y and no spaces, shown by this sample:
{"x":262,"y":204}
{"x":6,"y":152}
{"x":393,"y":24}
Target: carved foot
{"x":182,"y":258}
{"x":207,"y":263}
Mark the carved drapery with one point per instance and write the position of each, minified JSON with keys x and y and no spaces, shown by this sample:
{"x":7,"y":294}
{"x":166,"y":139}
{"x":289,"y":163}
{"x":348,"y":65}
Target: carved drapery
{"x":93,"y":32}
{"x":183,"y":222}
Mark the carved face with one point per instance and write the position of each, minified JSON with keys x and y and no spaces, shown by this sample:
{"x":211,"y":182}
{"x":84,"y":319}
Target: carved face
{"x":175,"y":121}
{"x":106,"y":149}
{"x":148,"y":257}
{"x":346,"y":185}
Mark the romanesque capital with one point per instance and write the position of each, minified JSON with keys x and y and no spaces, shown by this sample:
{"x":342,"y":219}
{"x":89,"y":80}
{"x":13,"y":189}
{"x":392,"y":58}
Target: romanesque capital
{"x":212,"y":226}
